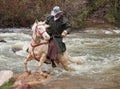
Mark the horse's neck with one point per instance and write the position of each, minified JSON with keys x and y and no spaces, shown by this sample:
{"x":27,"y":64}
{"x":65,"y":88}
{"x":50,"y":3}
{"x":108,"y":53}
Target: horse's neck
{"x":35,"y":39}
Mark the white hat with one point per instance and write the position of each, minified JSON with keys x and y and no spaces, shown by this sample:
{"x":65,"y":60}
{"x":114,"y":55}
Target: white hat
{"x":56,"y":10}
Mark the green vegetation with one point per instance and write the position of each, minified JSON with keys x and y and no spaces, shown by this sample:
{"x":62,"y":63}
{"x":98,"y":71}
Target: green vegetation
{"x":8,"y":84}
{"x":115,"y":10}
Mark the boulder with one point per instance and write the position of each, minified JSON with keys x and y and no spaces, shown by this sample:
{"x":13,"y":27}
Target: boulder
{"x":3,"y":41}
{"x":5,"y":76}
{"x":30,"y":79}
{"x":16,"y":48}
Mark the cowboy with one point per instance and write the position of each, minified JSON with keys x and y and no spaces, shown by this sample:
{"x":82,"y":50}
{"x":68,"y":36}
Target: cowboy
{"x":59,"y":28}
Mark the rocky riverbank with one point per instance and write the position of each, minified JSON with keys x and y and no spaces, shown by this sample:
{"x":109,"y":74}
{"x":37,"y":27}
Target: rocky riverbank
{"x":8,"y":80}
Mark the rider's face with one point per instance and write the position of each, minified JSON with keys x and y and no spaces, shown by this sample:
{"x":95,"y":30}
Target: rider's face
{"x":58,"y":15}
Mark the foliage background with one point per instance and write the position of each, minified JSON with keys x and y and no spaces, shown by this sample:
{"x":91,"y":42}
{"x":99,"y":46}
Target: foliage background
{"x":22,"y":13}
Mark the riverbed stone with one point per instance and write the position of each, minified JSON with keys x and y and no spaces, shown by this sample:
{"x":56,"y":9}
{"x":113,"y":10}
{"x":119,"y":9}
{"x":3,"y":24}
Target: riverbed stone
{"x":30,"y":79}
{"x":3,"y":41}
{"x":5,"y":75}
{"x":16,"y":48}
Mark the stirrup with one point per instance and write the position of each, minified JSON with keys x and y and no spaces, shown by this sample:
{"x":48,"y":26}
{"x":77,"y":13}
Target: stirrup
{"x":53,"y":64}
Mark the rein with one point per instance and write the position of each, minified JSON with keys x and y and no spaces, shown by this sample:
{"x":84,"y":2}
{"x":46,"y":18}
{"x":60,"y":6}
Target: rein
{"x":38,"y":44}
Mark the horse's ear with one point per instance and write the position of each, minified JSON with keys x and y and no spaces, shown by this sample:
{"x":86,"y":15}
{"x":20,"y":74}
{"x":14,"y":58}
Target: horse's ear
{"x":36,"y":21}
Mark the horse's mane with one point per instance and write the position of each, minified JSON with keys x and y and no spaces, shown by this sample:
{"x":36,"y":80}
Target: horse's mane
{"x":33,"y":26}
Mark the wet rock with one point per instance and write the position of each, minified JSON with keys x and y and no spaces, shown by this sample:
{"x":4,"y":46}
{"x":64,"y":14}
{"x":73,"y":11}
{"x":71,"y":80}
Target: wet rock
{"x":16,"y":48}
{"x":24,"y":86}
{"x":5,"y":75}
{"x":3,"y":41}
{"x":31,"y":79}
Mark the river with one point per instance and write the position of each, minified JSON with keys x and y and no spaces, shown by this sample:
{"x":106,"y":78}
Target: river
{"x":99,"y":50}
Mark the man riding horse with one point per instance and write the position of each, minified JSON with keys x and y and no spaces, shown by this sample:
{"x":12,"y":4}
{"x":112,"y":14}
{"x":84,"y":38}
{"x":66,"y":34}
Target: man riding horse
{"x":41,"y":50}
{"x":59,"y":28}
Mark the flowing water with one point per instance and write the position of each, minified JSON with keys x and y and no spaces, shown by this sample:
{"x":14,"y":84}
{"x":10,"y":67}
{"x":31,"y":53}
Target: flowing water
{"x":99,"y":50}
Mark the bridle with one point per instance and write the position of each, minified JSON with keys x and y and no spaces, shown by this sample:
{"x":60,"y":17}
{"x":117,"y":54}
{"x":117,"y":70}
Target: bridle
{"x":37,"y":32}
{"x":40,"y":34}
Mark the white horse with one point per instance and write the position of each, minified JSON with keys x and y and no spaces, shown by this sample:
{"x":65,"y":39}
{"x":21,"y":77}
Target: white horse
{"x":38,"y":48}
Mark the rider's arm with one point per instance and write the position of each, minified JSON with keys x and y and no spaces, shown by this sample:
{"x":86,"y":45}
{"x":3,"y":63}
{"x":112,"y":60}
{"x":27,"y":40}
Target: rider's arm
{"x":66,"y":26}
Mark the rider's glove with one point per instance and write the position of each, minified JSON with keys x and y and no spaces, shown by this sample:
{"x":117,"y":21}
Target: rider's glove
{"x":64,"y":33}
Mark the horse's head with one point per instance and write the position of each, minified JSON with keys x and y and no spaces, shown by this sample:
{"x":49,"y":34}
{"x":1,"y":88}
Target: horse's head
{"x":39,"y":29}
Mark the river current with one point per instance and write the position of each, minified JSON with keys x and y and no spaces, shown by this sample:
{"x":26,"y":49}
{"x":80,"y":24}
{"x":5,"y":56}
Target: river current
{"x":99,"y":50}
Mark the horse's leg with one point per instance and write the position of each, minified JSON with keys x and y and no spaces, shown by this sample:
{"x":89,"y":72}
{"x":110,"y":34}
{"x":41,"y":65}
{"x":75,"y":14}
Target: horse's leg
{"x":29,"y":57}
{"x":63,"y":58}
{"x":41,"y":61}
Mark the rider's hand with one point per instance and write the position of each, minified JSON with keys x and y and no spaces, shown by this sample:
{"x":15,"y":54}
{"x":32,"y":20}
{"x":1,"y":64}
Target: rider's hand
{"x":64,"y":33}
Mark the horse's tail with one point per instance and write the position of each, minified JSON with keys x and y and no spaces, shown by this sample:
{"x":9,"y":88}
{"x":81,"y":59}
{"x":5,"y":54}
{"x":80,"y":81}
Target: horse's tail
{"x":75,"y":60}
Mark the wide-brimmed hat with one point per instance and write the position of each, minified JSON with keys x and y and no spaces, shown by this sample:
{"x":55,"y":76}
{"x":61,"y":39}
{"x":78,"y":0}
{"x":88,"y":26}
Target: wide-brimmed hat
{"x":56,"y":10}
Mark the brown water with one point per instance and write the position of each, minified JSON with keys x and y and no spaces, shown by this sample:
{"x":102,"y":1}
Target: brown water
{"x":98,"y":49}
